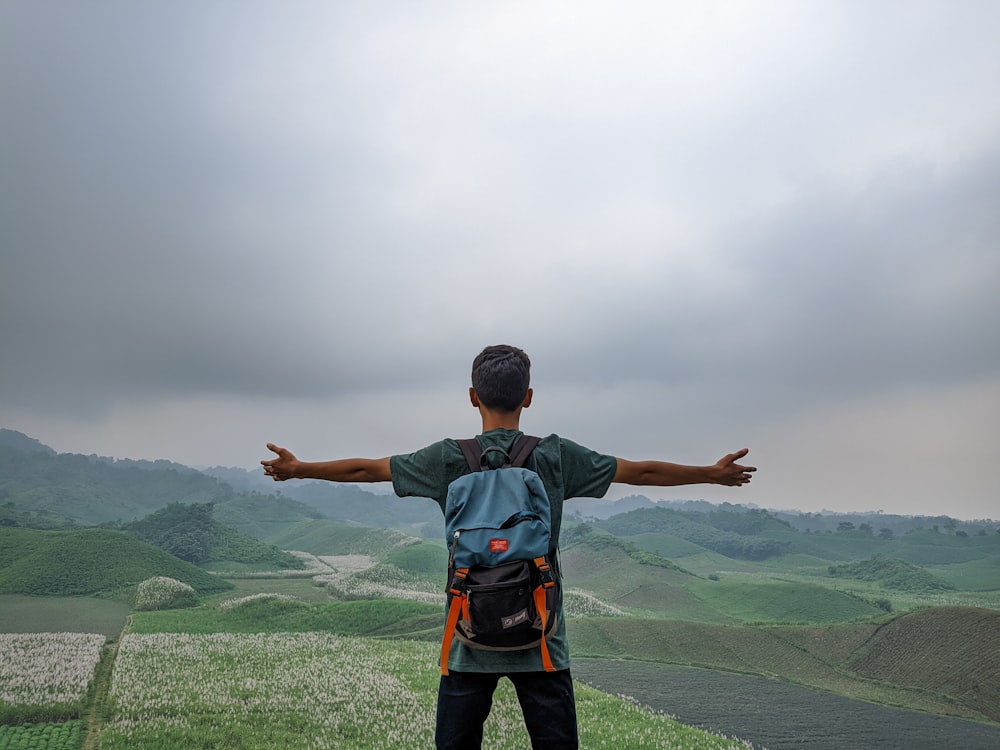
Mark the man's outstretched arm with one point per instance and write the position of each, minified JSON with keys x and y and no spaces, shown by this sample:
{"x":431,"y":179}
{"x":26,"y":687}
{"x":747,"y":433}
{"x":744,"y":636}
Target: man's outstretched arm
{"x":664,"y":474}
{"x":287,"y":466}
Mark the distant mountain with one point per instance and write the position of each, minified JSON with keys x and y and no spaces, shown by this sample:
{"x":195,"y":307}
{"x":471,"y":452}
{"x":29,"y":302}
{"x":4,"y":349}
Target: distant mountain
{"x":345,"y":502}
{"x":90,"y":490}
{"x":42,"y":489}
{"x":590,"y":509}
{"x":12,"y":439}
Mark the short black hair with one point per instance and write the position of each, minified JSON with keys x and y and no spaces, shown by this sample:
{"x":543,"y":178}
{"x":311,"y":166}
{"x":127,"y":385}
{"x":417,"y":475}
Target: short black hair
{"x":501,"y":375}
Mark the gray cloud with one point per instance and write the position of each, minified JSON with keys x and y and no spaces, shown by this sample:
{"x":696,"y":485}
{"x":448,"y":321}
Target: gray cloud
{"x":741,"y":215}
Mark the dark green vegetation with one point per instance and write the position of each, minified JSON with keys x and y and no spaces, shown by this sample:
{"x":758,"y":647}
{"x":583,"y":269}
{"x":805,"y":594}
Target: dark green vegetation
{"x":780,"y":715}
{"x":90,"y":561}
{"x":736,"y":535}
{"x":191,"y":533}
{"x":62,"y":736}
{"x":891,"y":574}
{"x":377,"y":618}
{"x":889,"y":610}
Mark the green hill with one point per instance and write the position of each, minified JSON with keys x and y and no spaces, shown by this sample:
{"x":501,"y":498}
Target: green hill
{"x":751,"y":600}
{"x":91,"y":561}
{"x":276,"y":614}
{"x":191,"y":533}
{"x":953,"y":651}
{"x":891,"y":574}
{"x":325,"y":537}
{"x":736,"y":535}
{"x":264,"y":517}
{"x":623,"y":575}
{"x":942,"y":660}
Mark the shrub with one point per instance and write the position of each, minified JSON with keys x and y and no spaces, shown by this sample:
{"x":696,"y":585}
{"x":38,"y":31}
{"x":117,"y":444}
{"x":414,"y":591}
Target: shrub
{"x":161,"y":592}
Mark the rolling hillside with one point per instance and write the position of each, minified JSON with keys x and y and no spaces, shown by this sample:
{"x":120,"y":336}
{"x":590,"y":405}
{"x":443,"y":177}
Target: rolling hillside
{"x":953,"y":651}
{"x":191,"y":533}
{"x":942,"y":660}
{"x":851,"y":606}
{"x":90,"y":561}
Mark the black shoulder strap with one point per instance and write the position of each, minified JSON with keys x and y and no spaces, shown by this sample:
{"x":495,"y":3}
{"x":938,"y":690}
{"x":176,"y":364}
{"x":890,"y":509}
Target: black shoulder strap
{"x":522,"y":449}
{"x":473,"y":452}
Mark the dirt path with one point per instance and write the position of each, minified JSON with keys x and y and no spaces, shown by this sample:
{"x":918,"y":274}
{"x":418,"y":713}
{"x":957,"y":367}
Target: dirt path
{"x":96,"y":713}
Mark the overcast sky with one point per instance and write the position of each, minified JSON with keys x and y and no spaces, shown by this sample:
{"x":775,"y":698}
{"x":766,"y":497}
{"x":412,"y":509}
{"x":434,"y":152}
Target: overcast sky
{"x":711,"y":225}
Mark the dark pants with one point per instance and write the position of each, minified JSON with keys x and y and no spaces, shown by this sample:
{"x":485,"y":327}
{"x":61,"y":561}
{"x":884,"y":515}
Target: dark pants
{"x":546,"y":698}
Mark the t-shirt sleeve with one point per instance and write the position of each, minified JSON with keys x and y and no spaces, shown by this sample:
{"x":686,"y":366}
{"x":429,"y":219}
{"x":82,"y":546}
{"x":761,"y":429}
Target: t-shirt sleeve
{"x":586,"y":473}
{"x":426,"y":472}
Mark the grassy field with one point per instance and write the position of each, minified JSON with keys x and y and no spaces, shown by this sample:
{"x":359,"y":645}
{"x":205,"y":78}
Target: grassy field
{"x":240,"y":645}
{"x":261,"y":690}
{"x":825,"y":658}
{"x":273,"y":690}
{"x":376,"y":611}
{"x":750,"y":600}
{"x":50,"y":614}
{"x":780,"y":715}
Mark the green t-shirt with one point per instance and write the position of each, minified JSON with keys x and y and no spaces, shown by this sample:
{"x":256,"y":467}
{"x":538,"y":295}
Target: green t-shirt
{"x":566,"y":469}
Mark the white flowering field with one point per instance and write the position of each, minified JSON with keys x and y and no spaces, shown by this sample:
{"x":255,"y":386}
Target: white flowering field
{"x":579,"y":603}
{"x":318,"y":690}
{"x":161,"y":592}
{"x":44,"y":679}
{"x":303,"y":690}
{"x":47,"y":669}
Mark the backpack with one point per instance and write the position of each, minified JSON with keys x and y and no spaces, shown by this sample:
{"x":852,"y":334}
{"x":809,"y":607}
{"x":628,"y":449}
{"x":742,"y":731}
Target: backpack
{"x":504,"y":589}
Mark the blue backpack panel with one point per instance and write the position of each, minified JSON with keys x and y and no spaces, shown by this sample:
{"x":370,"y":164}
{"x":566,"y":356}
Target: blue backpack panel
{"x":503,"y":589}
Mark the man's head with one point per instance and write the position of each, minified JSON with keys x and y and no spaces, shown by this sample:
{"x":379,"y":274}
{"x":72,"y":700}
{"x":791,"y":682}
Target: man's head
{"x":501,"y":376}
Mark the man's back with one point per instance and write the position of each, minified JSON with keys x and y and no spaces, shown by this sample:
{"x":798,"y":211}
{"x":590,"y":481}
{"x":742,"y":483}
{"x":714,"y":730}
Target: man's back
{"x":566,"y":470}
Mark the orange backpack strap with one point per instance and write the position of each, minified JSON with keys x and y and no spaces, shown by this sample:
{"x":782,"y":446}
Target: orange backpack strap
{"x":459,"y":601}
{"x":545,"y":573}
{"x":544,"y":614}
{"x":547,"y":582}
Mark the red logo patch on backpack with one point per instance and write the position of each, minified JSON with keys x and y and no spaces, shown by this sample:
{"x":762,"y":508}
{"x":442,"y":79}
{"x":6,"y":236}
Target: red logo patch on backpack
{"x":498,"y":545}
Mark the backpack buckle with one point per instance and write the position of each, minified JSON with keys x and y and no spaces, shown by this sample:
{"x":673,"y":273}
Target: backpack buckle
{"x":545,"y":577}
{"x":458,"y":583}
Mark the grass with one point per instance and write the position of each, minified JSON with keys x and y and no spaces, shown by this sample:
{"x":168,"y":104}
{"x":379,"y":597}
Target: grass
{"x":977,"y":575}
{"x":300,"y":588}
{"x":811,"y":655}
{"x":380,"y":617}
{"x":326,"y":537}
{"x":80,"y":563}
{"x":305,"y":690}
{"x":780,"y":601}
{"x":804,"y":655}
{"x":778,"y":714}
{"x":51,"y":614}
{"x":739,"y":623}
{"x":922,"y":649}
{"x":272,"y":690}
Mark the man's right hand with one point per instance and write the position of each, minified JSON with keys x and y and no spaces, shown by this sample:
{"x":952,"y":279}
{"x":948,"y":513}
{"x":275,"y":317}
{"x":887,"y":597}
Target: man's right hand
{"x":280,"y":468}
